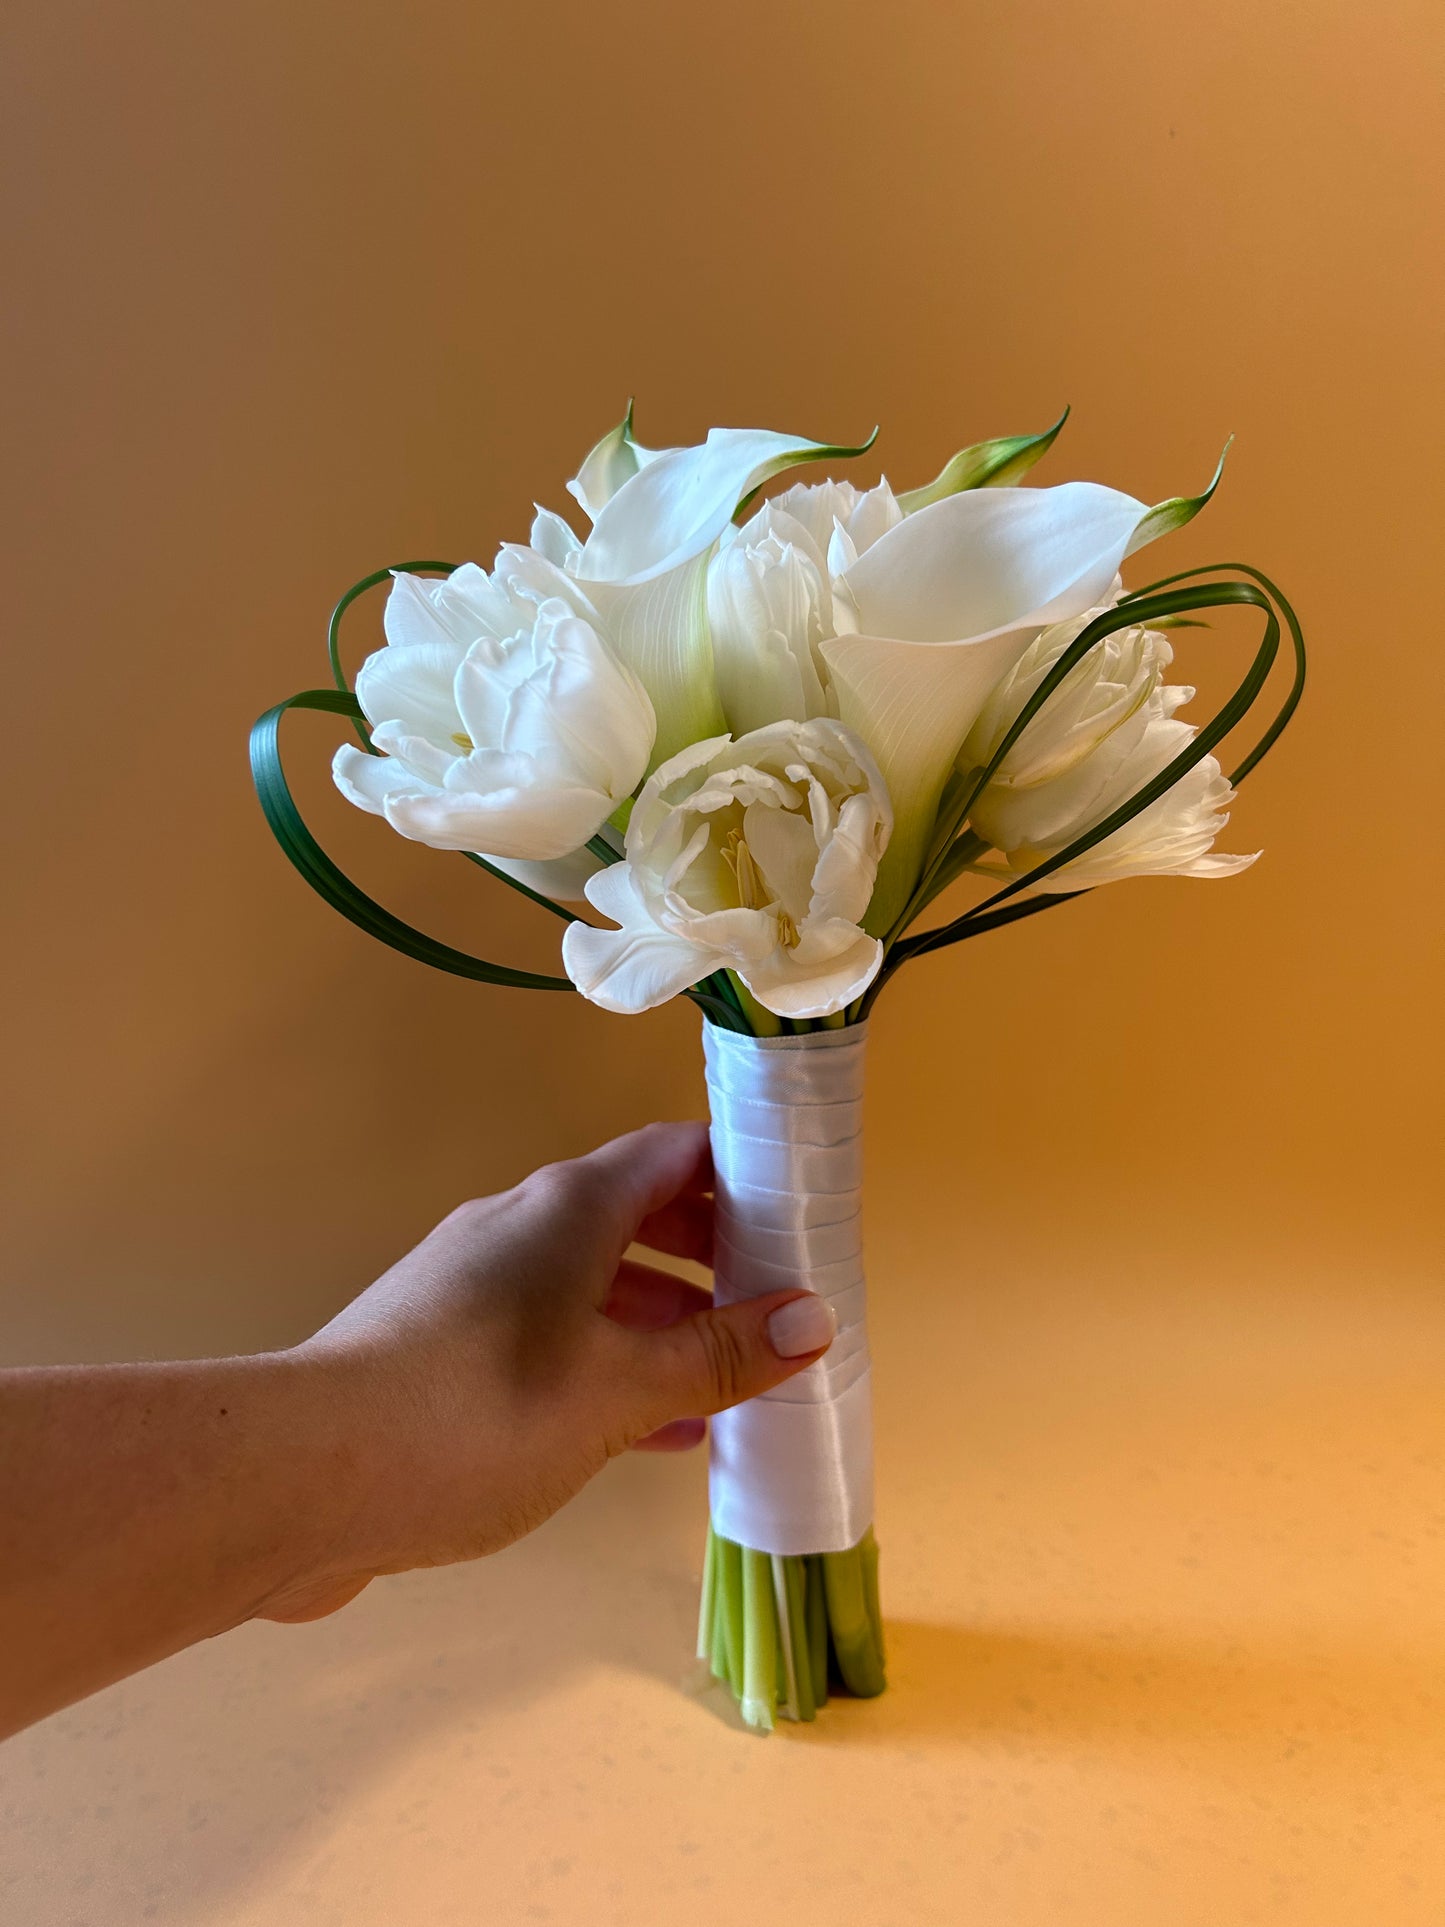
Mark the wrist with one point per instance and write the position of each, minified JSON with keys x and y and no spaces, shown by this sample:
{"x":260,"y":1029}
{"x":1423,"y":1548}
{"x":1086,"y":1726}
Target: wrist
{"x":317,"y":1485}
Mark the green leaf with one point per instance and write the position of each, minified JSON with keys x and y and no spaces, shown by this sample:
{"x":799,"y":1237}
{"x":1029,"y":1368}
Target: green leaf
{"x":997,"y":464}
{"x":1165,"y":517}
{"x":329,"y":882}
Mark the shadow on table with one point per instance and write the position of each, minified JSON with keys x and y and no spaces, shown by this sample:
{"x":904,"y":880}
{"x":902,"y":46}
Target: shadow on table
{"x":1261,"y":1703}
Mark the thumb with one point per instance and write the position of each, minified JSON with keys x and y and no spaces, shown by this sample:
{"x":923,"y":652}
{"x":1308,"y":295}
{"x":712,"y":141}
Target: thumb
{"x":722,"y":1356}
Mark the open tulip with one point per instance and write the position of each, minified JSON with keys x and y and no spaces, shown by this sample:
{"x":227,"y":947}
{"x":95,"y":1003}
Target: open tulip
{"x":507,"y":725}
{"x":1107,"y":686}
{"x":1173,"y":836}
{"x":757,"y":855}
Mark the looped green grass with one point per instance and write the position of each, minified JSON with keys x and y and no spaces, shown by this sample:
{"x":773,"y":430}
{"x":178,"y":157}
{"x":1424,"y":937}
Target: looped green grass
{"x":302,"y":849}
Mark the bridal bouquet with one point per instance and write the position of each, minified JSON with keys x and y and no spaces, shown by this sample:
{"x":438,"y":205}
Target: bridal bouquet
{"x":760,"y":738}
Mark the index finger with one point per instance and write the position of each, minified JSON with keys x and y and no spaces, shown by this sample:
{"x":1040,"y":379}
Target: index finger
{"x":652,"y":1184}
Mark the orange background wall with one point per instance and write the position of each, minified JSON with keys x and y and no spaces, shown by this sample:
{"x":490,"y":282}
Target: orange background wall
{"x":296,"y":291}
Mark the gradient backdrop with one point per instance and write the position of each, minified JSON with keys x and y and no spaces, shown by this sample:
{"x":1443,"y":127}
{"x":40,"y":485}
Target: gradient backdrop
{"x":295,"y":291}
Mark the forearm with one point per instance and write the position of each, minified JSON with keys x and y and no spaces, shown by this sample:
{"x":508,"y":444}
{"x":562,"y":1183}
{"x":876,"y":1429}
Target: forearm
{"x":148,"y":1506}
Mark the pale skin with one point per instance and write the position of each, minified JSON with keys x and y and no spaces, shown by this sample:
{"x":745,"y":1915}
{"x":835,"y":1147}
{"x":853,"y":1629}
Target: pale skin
{"x":449,"y":1409}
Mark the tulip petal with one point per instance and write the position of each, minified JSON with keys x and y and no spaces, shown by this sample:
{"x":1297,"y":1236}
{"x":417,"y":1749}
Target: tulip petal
{"x":456,"y":609}
{"x":554,"y":539}
{"x":537,"y":823}
{"x":370,"y":781}
{"x":412,"y":684}
{"x":800,"y":985}
{"x":633,"y":968}
{"x":564,"y":880}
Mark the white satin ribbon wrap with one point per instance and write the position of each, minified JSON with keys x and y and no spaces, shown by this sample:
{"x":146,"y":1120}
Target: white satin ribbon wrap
{"x":792,"y":1471}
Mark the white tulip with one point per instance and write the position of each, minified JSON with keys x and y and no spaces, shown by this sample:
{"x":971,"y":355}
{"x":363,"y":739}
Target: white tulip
{"x":939,"y":607}
{"x":507,"y":725}
{"x":769,"y":608}
{"x":830,"y":510}
{"x":1107,"y":686}
{"x":1174,"y":836}
{"x":757,"y":855}
{"x":770,"y":600}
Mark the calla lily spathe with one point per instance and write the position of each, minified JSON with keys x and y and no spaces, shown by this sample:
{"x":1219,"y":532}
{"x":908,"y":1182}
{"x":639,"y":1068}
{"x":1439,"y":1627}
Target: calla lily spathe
{"x":641,"y":573}
{"x":757,"y":855}
{"x":506,"y":724}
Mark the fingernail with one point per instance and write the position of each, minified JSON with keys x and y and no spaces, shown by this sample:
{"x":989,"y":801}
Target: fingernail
{"x":805,"y":1325}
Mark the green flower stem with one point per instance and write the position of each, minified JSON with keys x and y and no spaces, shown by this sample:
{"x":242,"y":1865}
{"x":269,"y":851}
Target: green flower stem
{"x":817,"y":1626}
{"x":707,"y":1614}
{"x":760,"y":1648}
{"x":763,"y":1022}
{"x":730,"y":1603}
{"x":772,"y":1626}
{"x":796,"y":1588}
{"x":856,"y":1642}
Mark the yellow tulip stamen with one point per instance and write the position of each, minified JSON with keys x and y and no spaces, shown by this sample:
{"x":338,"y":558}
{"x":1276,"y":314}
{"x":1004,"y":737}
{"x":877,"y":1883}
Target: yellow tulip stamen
{"x":463,"y":741}
{"x":754,"y":890}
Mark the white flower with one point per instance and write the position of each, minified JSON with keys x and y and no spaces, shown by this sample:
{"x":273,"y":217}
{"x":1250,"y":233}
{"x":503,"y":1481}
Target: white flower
{"x":1174,"y":836}
{"x":507,"y":725}
{"x":769,"y":607}
{"x":757,"y":855}
{"x":770,"y":602}
{"x":841,"y":521}
{"x":1107,"y":686}
{"x":641,"y":574}
{"x":939,"y":607}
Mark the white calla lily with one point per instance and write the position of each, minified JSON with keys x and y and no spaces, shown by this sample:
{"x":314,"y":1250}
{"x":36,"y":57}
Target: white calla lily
{"x":641,"y":574}
{"x":608,"y":464}
{"x":506,"y":724}
{"x":757,"y":855}
{"x":938,"y":609}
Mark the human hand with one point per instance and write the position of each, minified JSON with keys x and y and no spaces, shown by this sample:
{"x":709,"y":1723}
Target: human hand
{"x":490,"y":1373}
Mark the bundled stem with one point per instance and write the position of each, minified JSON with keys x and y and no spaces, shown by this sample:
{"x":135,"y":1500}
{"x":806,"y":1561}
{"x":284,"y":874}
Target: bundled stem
{"x":778,"y":1628}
